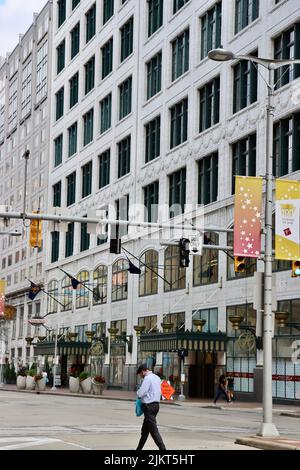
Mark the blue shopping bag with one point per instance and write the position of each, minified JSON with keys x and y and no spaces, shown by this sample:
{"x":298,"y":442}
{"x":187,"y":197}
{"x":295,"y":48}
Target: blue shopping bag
{"x":139,"y":407}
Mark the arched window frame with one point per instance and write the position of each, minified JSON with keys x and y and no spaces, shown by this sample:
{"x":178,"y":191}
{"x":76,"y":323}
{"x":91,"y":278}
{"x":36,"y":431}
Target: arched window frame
{"x":100,"y":285}
{"x":148,"y":280}
{"x":119,"y":286}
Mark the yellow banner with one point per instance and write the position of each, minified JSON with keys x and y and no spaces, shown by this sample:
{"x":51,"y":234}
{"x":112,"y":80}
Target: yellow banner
{"x":287,"y":220}
{"x":2,"y":296}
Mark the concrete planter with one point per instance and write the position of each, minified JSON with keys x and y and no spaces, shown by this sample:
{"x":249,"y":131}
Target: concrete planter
{"x":97,"y":388}
{"x":30,"y":383}
{"x":41,"y":385}
{"x":74,"y":384}
{"x":21,"y":382}
{"x":86,"y":385}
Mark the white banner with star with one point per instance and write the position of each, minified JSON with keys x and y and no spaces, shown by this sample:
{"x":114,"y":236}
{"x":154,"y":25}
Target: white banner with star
{"x":287,"y":220}
{"x":247,"y":216}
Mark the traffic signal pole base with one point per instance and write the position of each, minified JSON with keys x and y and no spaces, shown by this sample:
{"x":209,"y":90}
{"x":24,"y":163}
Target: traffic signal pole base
{"x":181,"y":397}
{"x":268,"y":430}
{"x":53,"y":388}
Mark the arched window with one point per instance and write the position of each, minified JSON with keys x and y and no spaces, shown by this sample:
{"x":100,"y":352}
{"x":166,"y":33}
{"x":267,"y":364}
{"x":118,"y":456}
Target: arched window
{"x":100,"y":285}
{"x":82,"y":294}
{"x":67,"y":293}
{"x":53,"y":291}
{"x":205,"y":267}
{"x":174,"y":274}
{"x":119,"y":280}
{"x":148,"y":278}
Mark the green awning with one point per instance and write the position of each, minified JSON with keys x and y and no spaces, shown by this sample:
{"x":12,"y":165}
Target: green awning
{"x":190,"y":340}
{"x":47,"y":348}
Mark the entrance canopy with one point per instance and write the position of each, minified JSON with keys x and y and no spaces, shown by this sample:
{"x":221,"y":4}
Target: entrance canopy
{"x":63,"y":347}
{"x":190,"y":340}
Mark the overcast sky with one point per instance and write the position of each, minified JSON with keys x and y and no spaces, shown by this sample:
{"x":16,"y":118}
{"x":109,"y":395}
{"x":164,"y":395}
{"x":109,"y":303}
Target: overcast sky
{"x":15,"y":18}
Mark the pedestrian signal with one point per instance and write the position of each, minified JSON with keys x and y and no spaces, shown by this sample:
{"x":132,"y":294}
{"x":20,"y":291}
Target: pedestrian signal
{"x":35,"y":238}
{"x":295,"y":268}
{"x":239,"y":264}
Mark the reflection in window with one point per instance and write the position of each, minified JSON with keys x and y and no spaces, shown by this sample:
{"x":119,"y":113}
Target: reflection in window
{"x":148,"y":278}
{"x":246,"y":311}
{"x":82,"y":294}
{"x":211,"y":317}
{"x":119,"y":280}
{"x":67,"y":293}
{"x":205,"y":267}
{"x":100,"y":285}
{"x":174,"y":274}
{"x":178,"y":320}
{"x":53,"y":291}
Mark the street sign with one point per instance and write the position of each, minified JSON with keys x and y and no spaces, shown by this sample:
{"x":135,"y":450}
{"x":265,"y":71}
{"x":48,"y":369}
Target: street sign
{"x":167,"y":390}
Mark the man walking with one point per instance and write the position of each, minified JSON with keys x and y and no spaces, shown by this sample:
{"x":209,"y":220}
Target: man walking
{"x":149,"y":393}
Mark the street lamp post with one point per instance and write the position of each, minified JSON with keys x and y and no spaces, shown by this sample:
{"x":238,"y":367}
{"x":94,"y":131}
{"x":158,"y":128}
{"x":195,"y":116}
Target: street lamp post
{"x":268,"y":428}
{"x":55,"y":359}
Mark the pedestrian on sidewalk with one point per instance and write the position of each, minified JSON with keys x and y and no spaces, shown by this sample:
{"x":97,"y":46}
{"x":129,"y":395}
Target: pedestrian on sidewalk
{"x":149,"y":392}
{"x":230,"y":388}
{"x":222,"y":389}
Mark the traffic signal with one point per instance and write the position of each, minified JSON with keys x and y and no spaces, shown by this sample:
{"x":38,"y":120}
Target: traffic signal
{"x":115,"y":246}
{"x":184,"y":252}
{"x":35,"y":238}
{"x":295,"y":268}
{"x":239,"y":264}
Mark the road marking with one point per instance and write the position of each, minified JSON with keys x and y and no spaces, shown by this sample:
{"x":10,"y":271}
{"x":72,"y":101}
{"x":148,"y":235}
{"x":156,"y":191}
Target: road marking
{"x":25,"y":442}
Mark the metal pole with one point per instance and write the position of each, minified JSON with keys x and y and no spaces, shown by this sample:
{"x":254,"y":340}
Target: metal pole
{"x":181,"y":396}
{"x":54,"y":363}
{"x":268,"y":428}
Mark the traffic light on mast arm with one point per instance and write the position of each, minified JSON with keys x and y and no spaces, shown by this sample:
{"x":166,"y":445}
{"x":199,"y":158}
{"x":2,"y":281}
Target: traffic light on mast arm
{"x":184,"y":252}
{"x":35,"y":238}
{"x":239,"y":264}
{"x":296,"y":268}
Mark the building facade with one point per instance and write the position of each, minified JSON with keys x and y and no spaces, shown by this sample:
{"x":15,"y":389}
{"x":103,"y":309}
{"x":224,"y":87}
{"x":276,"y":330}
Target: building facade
{"x":139,"y":116}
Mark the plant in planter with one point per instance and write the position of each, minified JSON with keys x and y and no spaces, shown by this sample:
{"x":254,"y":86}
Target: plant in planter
{"x":98,"y":382}
{"x":40,"y":383}
{"x":85,"y":382}
{"x":10,"y":374}
{"x":30,"y":382}
{"x":73,"y":380}
{"x":21,"y":379}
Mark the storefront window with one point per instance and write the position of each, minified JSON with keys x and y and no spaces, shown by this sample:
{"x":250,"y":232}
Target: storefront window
{"x":81,"y":329}
{"x":82,"y":294}
{"x":293,"y":309}
{"x":100,"y":285}
{"x":174,"y":274}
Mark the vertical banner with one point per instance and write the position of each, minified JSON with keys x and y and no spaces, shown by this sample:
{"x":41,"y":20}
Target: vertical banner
{"x":247,"y":216}
{"x":2,"y":297}
{"x":287,"y":214}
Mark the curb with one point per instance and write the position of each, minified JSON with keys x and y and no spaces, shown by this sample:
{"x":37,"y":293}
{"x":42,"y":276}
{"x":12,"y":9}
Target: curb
{"x":82,"y":395}
{"x":290,"y":415}
{"x":265,"y":444}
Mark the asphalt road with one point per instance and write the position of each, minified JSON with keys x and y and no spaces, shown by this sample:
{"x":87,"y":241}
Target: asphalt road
{"x":45,"y":422}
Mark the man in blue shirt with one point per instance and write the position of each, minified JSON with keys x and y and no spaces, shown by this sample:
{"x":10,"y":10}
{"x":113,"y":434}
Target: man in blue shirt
{"x":149,"y":393}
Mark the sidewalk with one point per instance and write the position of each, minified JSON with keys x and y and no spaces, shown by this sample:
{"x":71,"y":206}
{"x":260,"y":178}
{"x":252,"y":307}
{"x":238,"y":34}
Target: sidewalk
{"x":268,"y":443}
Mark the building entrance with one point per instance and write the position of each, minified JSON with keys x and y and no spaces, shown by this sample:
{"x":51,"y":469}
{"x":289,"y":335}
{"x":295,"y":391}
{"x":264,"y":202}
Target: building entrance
{"x":201,"y":375}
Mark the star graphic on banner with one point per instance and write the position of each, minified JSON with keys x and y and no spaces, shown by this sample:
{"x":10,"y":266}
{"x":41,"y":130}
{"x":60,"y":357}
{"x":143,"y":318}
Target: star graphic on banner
{"x":246,"y":194}
{"x":247,"y":202}
{"x":245,"y":251}
{"x":241,"y":188}
{"x":257,"y":215}
{"x":257,"y":253}
{"x":250,"y":245}
{"x":243,"y":232}
{"x":253,"y":220}
{"x":243,"y":207}
{"x":247,"y":239}
{"x":244,"y":221}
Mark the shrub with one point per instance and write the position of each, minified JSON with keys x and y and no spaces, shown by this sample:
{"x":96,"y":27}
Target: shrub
{"x":99,"y":379}
{"x":83,"y":375}
{"x":38,"y":377}
{"x":32,"y":372}
{"x":22,"y":372}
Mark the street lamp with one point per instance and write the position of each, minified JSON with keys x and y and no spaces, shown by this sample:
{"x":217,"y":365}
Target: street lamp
{"x":268,"y":428}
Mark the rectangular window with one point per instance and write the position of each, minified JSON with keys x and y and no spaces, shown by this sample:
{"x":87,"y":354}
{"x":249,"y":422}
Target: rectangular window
{"x":55,"y":247}
{"x":59,"y":104}
{"x":89,"y":75}
{"x":126,"y":39}
{"x":73,"y":82}
{"x":244,"y":84}
{"x":41,"y":72}
{"x":57,"y":194}
{"x":151,"y":200}
{"x":60,"y":56}
{"x":105,"y":114}
{"x":61,"y":12}
{"x":154,"y":75}
{"x":205,"y":267}
{"x":69,"y":249}
{"x":244,"y":158}
{"x":210,"y":315}
{"x":124,"y":156}
{"x":107,"y":58}
{"x":90,"y":18}
{"x":72,"y":132}
{"x":71,"y":188}
{"x":104,"y":169}
{"x":152,"y":132}
{"x":287,"y":46}
{"x":177,"y":4}
{"x":211,"y":24}
{"x":122,"y":213}
{"x":180,"y":54}
{"x":177,"y":192}
{"x":87,"y":172}
{"x":84,"y":238}
{"x":12,"y":105}
{"x":26,"y":90}
{"x":75,"y":3}
{"x":286,"y":147}
{"x":125,"y":93}
{"x":58,"y":150}
{"x":88,"y":127}
{"x":75,"y":40}
{"x":179,"y":123}
{"x":155,"y":15}
{"x":209,"y":104}
{"x":108,"y":10}
{"x":246,"y":11}
{"x":208,"y":179}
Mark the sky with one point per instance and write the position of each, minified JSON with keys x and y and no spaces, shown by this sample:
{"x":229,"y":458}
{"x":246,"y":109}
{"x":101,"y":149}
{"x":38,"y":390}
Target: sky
{"x":15,"y":18}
